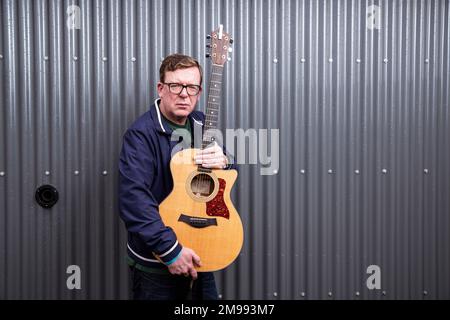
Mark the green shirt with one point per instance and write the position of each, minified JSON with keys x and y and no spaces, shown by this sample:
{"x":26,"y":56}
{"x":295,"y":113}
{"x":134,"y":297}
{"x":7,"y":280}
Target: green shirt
{"x":175,"y":126}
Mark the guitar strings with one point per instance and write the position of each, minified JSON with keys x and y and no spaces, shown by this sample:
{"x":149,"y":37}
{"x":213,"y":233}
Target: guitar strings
{"x":216,"y":76}
{"x":214,"y":70}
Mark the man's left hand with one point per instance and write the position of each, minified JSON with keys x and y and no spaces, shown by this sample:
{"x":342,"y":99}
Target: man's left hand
{"x":211,"y":157}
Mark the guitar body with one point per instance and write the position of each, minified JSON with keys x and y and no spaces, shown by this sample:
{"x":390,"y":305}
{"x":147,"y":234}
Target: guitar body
{"x":200,"y":211}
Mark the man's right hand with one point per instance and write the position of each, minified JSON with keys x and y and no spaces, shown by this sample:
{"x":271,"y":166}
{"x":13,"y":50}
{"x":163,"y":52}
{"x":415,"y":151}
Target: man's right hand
{"x":184,"y":265}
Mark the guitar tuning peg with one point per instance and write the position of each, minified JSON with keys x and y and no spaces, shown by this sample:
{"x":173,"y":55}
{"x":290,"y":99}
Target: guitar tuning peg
{"x":208,"y":46}
{"x":230,"y":49}
{"x":231,"y":40}
{"x":229,"y":58}
{"x":208,"y":36}
{"x":207,"y":55}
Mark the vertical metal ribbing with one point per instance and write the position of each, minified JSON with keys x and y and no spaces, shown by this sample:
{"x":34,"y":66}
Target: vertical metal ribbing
{"x":297,"y":185}
{"x":444,"y":31}
{"x":3,"y":177}
{"x":354,"y":38}
{"x":12,"y":102}
{"x":430,"y":118}
{"x":314,"y":163}
{"x":371,"y":106}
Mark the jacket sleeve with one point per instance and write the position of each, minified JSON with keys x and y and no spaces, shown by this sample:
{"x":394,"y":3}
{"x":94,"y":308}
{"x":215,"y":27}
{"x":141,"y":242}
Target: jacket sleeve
{"x":137,"y":205}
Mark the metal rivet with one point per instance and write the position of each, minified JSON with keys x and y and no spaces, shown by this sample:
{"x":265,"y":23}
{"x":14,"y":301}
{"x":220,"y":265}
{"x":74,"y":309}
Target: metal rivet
{"x":385,"y":60}
{"x":105,"y":59}
{"x":220,"y":296}
{"x":133,"y":59}
{"x":47,"y":173}
{"x":357,"y":293}
{"x":2,"y":173}
{"x":46,"y":58}
{"x":76,"y":172}
{"x":384,"y":171}
{"x":426,"y":60}
{"x":105,"y":173}
{"x":330,"y":171}
{"x":303,"y":294}
{"x":383,"y":293}
{"x":330,"y":294}
{"x":425,"y":292}
{"x":275,"y":60}
{"x":330,"y":60}
{"x":275,"y":294}
{"x":302,"y":60}
{"x":275,"y":171}
{"x":75,"y":58}
{"x":302,"y":171}
{"x":358,"y":60}
{"x":425,"y":171}
{"x":356,"y":171}
{"x":1,"y":56}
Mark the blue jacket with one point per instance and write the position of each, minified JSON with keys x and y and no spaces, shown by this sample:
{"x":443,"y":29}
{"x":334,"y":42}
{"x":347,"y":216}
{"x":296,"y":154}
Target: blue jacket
{"x":145,"y":181}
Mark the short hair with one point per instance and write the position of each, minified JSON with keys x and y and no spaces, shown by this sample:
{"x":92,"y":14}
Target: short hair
{"x":178,"y":61}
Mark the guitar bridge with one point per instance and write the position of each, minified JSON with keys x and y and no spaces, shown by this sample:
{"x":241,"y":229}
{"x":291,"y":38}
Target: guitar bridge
{"x":197,"y":222}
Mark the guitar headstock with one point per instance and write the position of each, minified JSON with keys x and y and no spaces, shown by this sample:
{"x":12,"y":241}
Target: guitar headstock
{"x":220,"y":46}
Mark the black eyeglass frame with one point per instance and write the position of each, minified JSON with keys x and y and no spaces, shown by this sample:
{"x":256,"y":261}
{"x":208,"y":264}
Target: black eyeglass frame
{"x":182,"y":86}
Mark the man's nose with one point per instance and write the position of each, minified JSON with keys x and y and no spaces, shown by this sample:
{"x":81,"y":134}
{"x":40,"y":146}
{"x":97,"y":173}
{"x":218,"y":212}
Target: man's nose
{"x":183,"y":92}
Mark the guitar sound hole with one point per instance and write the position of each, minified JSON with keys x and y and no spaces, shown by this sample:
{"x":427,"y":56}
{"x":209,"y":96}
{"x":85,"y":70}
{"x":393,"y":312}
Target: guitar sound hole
{"x":202,"y":185}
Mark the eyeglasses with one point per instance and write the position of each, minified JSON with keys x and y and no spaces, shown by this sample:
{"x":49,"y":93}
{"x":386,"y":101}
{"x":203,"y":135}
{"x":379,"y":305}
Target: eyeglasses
{"x":176,"y":88}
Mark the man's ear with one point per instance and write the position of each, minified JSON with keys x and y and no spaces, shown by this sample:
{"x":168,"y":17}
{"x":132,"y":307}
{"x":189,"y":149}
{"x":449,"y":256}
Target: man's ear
{"x":159,"y":88}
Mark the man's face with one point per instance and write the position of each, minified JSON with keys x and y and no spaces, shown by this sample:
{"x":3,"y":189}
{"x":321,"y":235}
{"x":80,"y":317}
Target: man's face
{"x":176,"y":107}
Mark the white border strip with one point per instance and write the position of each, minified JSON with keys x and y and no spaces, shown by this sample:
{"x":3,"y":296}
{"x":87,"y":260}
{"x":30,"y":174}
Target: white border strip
{"x":159,"y":115}
{"x":141,"y":257}
{"x":170,"y":250}
{"x":198,"y":122}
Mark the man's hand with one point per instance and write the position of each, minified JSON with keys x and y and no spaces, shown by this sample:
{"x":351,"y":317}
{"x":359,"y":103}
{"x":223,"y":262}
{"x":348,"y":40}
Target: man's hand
{"x":211,"y":157}
{"x":184,"y":265}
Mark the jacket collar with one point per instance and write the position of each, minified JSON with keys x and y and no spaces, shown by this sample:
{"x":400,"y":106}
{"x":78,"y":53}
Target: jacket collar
{"x":161,"y":125}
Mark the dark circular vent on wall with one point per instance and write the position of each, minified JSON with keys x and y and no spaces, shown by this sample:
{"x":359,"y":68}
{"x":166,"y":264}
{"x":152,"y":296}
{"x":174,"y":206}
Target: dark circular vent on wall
{"x":46,"y":196}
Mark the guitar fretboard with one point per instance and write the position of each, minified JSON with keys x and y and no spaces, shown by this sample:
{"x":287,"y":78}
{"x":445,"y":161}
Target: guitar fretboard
{"x":213,"y":104}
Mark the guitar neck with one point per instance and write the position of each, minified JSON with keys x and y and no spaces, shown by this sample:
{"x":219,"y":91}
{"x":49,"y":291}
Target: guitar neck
{"x":213,"y":104}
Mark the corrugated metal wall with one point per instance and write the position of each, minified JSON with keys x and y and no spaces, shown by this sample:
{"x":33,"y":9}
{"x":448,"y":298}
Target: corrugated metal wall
{"x":363,"y":114}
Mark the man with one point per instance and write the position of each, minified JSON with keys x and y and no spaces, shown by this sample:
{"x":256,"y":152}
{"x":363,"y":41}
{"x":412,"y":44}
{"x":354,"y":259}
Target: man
{"x":161,"y":267}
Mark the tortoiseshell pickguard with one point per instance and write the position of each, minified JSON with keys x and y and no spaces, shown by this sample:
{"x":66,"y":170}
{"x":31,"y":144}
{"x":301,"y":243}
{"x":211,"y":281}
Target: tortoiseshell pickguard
{"x":217,"y":207}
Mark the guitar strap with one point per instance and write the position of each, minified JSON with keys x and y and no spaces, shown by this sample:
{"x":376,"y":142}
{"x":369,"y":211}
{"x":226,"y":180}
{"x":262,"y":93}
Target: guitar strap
{"x":191,"y":286}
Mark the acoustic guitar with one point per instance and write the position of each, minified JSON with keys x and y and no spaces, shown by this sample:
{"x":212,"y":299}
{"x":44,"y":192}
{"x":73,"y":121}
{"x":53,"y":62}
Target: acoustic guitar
{"x":199,"y":208}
